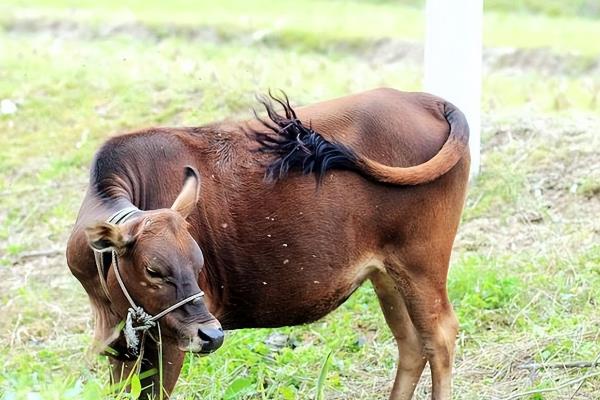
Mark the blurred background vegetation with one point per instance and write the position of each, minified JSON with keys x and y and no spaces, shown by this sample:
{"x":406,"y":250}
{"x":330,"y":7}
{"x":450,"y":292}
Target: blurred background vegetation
{"x":553,"y":8}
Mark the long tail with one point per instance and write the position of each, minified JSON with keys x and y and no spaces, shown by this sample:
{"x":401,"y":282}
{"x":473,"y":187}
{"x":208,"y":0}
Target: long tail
{"x":297,"y":147}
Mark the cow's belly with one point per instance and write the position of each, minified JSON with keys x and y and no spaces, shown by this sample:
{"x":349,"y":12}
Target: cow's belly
{"x":295,"y":297}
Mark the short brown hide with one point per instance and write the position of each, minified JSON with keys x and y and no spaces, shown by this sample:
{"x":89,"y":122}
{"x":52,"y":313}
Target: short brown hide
{"x":368,"y":186}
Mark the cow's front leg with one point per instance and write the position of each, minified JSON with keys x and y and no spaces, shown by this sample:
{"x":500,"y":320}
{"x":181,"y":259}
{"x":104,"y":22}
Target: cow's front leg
{"x":172,"y":361}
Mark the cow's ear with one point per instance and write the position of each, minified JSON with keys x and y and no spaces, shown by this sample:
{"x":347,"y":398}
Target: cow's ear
{"x":104,"y":236}
{"x":187,"y":200}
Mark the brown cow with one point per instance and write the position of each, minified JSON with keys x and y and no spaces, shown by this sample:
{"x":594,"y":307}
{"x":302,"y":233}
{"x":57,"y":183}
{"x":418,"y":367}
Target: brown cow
{"x":279,"y":253}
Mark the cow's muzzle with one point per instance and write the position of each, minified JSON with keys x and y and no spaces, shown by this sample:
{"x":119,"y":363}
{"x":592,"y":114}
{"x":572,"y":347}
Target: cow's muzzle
{"x":212,"y":338}
{"x":202,"y":338}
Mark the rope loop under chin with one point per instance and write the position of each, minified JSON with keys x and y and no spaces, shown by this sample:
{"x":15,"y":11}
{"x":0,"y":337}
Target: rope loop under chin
{"x":137,"y":322}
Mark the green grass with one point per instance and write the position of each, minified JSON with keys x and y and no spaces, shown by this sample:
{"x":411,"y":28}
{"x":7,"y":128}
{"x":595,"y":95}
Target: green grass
{"x":316,"y":22}
{"x":552,"y":8}
{"x":555,"y":8}
{"x":525,"y":279}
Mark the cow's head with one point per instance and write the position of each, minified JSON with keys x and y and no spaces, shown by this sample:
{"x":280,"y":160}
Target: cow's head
{"x":159,"y":262}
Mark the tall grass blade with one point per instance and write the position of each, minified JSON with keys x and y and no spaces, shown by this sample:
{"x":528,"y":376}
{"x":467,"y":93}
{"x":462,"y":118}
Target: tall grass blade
{"x":322,"y":377}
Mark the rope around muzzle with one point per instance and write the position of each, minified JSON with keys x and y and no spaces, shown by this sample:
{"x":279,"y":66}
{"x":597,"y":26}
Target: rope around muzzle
{"x":138,"y":321}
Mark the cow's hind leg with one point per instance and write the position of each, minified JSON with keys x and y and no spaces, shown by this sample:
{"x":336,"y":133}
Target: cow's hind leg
{"x":411,"y":358}
{"x":422,"y":282}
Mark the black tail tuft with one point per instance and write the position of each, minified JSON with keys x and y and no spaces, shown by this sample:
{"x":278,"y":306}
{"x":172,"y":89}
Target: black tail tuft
{"x":295,"y":146}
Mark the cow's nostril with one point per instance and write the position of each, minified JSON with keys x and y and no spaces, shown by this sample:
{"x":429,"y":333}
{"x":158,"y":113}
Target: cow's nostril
{"x":214,"y":336}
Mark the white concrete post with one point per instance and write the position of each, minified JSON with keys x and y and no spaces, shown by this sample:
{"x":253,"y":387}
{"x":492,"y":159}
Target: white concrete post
{"x":453,"y":43}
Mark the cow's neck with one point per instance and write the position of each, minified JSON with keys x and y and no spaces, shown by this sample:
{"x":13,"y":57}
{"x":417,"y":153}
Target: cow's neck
{"x":124,"y":194}
{"x":215,"y":232}
{"x":133,"y":181}
{"x":212,"y":226}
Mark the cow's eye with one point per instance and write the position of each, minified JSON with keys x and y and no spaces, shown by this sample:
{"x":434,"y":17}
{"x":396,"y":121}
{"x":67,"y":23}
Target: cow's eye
{"x":154,"y":273}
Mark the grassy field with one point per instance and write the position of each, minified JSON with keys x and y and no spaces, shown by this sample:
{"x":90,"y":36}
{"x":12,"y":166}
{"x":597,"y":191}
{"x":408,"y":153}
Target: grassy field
{"x":525,"y":278}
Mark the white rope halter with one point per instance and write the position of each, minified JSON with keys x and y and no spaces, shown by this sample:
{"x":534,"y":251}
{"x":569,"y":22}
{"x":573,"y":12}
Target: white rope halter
{"x":136,"y":314}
